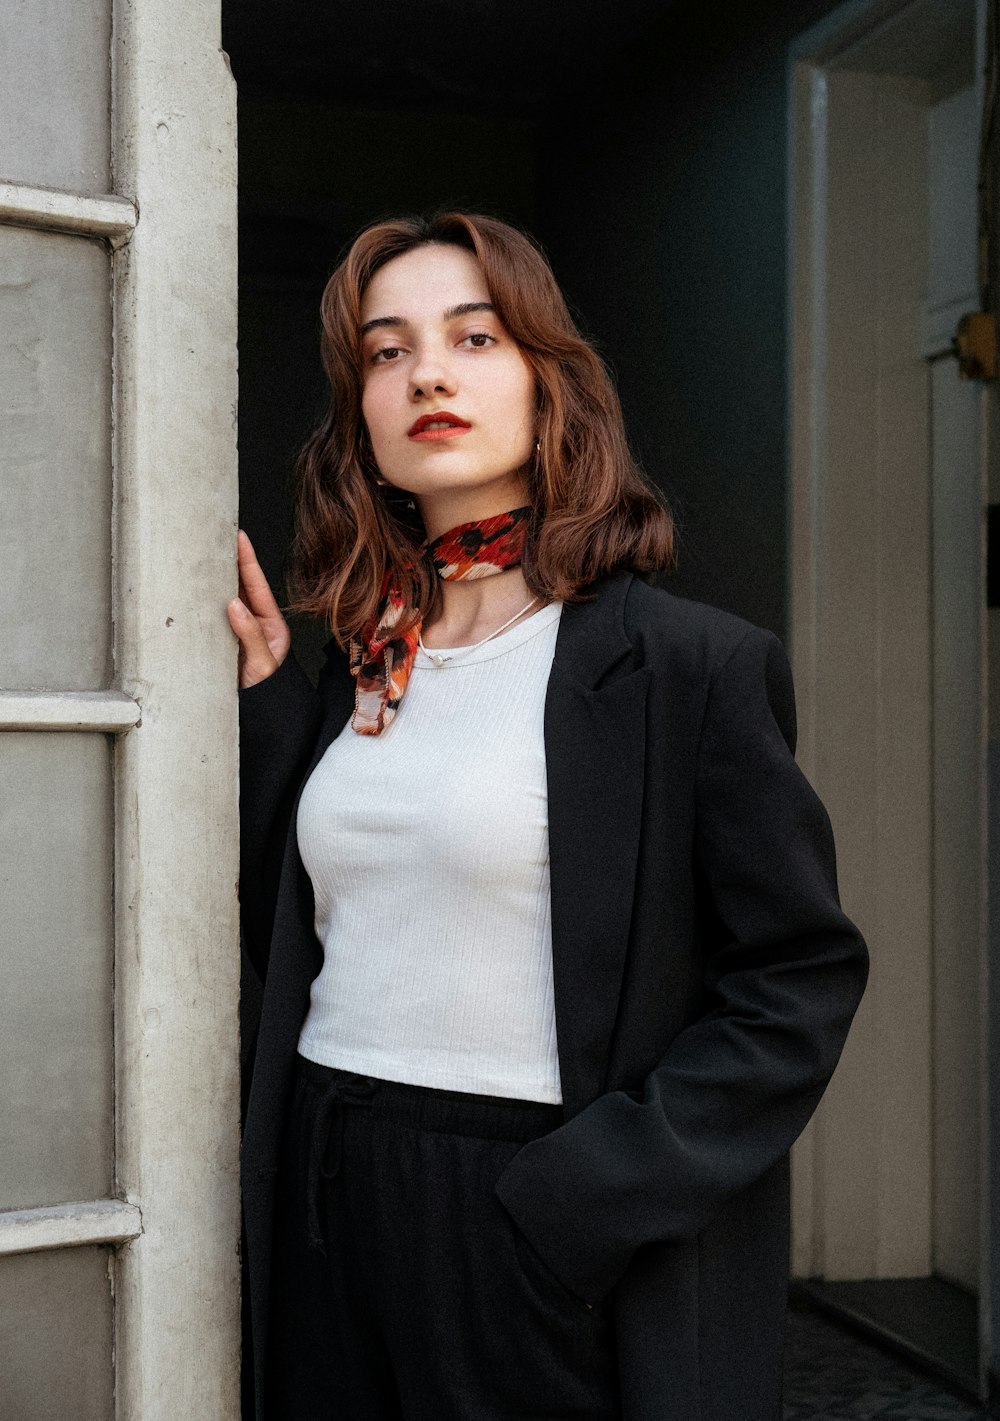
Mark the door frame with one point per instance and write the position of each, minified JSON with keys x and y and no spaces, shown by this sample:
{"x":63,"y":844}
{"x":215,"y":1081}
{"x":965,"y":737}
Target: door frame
{"x":861,"y":625}
{"x":176,"y":796}
{"x":172,"y":1223}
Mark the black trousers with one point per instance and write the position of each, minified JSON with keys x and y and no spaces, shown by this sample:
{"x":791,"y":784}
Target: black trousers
{"x":402,"y":1290}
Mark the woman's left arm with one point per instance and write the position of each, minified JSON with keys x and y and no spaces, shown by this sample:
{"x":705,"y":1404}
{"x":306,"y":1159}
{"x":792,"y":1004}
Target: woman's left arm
{"x":736,"y":1087}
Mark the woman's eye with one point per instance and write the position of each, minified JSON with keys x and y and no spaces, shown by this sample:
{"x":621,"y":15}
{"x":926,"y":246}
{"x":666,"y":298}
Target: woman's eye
{"x":480,"y":340}
{"x":388,"y":353}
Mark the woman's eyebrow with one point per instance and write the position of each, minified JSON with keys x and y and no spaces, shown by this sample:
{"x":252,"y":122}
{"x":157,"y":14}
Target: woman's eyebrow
{"x":465,"y":308}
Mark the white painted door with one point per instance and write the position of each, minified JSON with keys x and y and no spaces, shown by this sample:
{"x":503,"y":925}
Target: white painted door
{"x":118,"y":940}
{"x":887,"y":619}
{"x":958,"y":498}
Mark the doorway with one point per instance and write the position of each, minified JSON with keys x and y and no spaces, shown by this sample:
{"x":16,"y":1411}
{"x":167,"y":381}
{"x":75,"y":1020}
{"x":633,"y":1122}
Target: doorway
{"x":643,"y":145}
{"x":887,"y":579}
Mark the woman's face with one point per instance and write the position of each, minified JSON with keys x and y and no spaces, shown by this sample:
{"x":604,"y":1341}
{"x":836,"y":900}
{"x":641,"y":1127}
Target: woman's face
{"x":448,"y":398}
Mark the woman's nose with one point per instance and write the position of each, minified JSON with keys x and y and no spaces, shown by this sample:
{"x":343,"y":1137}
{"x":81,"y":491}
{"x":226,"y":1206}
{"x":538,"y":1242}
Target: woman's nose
{"x":431,"y":373}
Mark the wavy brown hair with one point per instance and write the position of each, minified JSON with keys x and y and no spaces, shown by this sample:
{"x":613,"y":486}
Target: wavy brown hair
{"x":593,"y":510}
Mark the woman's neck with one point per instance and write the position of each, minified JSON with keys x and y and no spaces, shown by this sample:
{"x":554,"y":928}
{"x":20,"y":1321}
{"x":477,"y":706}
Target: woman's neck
{"x":448,"y":508}
{"x":467,"y":611}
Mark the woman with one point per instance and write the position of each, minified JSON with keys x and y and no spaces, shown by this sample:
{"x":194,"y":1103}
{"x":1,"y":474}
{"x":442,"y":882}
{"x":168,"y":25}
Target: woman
{"x":555,"y":969}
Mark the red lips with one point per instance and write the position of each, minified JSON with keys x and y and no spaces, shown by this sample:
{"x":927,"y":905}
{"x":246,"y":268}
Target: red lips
{"x":438,"y":417}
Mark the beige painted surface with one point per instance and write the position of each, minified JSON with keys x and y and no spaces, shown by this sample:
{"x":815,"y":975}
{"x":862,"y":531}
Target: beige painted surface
{"x":959,"y":779}
{"x":56,"y":1336}
{"x":55,"y":461}
{"x":872,"y":679}
{"x":959,"y":721}
{"x":56,"y":964}
{"x":55,"y":97}
{"x":177,"y":1291}
{"x":887,"y":624}
{"x":861,"y":649}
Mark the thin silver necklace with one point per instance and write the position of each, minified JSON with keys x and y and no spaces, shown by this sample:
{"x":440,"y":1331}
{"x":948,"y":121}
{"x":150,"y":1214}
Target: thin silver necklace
{"x":440,"y":660}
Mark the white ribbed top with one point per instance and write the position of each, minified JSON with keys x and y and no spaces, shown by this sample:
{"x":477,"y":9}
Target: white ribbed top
{"x":428,"y":851}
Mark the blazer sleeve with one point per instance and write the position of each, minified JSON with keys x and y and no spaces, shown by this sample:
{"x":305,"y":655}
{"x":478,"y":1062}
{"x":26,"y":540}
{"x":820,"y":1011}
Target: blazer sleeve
{"x":738,"y":1085}
{"x":279,"y":721}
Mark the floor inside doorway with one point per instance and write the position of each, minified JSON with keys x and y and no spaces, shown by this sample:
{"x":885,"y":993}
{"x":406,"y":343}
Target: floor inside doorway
{"x":832,"y":1374}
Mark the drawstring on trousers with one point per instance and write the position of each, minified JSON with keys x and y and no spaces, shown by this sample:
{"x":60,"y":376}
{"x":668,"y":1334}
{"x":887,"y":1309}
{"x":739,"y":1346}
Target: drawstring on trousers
{"x":326,"y":1144}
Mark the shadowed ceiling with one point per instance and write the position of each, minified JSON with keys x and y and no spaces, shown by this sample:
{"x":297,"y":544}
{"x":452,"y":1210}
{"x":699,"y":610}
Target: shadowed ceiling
{"x":518,"y":57}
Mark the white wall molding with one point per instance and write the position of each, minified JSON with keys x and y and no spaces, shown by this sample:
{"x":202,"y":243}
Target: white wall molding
{"x":109,"y":217}
{"x":68,"y":1226}
{"x":110,"y":711}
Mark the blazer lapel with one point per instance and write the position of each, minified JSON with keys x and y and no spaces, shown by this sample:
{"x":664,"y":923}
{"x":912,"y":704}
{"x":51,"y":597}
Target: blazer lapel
{"x":595,"y":761}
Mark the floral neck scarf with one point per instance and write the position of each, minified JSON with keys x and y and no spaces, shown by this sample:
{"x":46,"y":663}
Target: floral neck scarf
{"x":382,"y":660}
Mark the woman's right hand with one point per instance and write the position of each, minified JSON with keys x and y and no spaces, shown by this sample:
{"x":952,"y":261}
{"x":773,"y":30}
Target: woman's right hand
{"x":256,"y":619}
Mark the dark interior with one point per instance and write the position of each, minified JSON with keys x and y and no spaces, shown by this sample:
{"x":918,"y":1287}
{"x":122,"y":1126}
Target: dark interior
{"x":641,"y":141}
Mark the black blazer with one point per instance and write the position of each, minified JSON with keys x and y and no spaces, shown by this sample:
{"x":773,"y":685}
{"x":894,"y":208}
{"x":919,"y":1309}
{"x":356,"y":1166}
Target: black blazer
{"x":704,"y":976}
